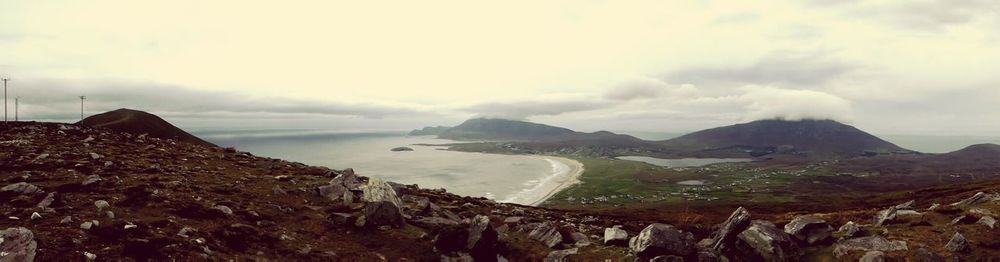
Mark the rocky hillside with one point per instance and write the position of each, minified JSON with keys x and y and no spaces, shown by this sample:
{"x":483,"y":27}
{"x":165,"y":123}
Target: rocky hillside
{"x":821,"y":138}
{"x":76,"y":193}
{"x":139,"y":122}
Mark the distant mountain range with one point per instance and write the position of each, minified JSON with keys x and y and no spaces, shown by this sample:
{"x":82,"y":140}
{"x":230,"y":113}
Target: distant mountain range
{"x":810,"y":138}
{"x":138,"y":123}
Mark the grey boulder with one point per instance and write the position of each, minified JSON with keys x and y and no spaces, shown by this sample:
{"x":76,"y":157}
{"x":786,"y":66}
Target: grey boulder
{"x":726,"y":235}
{"x":662,"y":239}
{"x":769,"y":243}
{"x":382,"y":206}
{"x":18,"y":244}
{"x":809,"y":229}
{"x":615,"y":236}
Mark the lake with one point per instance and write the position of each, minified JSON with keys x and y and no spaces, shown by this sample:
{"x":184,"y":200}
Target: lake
{"x":682,"y":162}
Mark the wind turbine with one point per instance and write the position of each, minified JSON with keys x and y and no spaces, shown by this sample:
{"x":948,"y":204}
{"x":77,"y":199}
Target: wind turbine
{"x":5,"y":100}
{"x":81,"y":106}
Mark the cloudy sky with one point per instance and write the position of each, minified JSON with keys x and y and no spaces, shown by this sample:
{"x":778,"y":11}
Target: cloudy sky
{"x":890,"y":66}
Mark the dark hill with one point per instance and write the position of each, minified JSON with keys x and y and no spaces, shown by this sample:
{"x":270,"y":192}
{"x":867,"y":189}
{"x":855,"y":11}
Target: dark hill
{"x":503,"y":129}
{"x":139,"y":122}
{"x":822,"y":138}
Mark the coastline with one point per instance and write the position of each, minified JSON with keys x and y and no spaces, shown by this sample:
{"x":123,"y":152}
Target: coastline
{"x":556,"y":183}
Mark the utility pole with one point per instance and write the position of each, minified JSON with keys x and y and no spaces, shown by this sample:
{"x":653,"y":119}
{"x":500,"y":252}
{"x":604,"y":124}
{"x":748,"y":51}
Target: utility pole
{"x":17,"y":101}
{"x":81,"y":106}
{"x":5,"y":100}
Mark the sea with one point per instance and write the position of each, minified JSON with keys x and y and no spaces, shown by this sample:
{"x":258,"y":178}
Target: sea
{"x":505,"y":178}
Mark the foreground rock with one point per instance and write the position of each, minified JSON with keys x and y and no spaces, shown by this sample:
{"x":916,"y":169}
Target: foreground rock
{"x":17,"y":244}
{"x":766,"y":242}
{"x":382,"y":206}
{"x":958,"y":243}
{"x":726,"y":235}
{"x":662,"y":239}
{"x":809,"y":229}
{"x":615,"y":236}
{"x":547,"y":234}
{"x":869,"y":243}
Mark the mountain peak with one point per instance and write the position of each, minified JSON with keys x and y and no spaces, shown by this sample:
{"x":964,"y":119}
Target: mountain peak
{"x":821,"y":137}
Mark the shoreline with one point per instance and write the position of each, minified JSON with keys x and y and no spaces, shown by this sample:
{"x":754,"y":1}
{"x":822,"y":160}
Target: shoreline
{"x":558,"y":182}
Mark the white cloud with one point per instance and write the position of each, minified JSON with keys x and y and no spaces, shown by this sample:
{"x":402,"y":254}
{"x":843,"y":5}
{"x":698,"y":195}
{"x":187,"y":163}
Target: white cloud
{"x":764,"y":102}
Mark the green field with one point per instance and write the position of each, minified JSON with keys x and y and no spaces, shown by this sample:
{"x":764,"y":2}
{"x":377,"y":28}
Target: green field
{"x":612,"y":182}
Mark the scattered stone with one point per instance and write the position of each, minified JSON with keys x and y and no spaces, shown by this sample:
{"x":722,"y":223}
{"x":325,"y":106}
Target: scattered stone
{"x":547,"y":234}
{"x":849,"y":230}
{"x":768,"y":242}
{"x":91,"y":179}
{"x":981,"y":212}
{"x":20,"y":188}
{"x":907,"y":205}
{"x":924,"y":255}
{"x":95,"y":156}
{"x":987,"y":221}
{"x":86,"y":225}
{"x":382,"y":206}
{"x":35,"y":215}
{"x":110,"y":214}
{"x":662,"y":239}
{"x":873,"y":256}
{"x":66,"y":220}
{"x":809,"y":229}
{"x":224,"y":209}
{"x":615,"y":236}
{"x":738,"y":221}
{"x":670,"y":258}
{"x":580,"y":239}
{"x":512,"y":220}
{"x":17,"y":244}
{"x":185,"y":231}
{"x":129,"y":226}
{"x":869,"y":243}
{"x":885,"y":216}
{"x":101,"y":204}
{"x":934,"y":207}
{"x":978,"y":198}
{"x":560,"y":255}
{"x":47,"y":201}
{"x":958,"y":243}
{"x":960,"y":220}
{"x":89,"y":256}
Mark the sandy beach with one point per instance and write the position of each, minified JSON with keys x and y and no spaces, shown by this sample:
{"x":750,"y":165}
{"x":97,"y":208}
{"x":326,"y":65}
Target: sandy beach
{"x":567,"y":173}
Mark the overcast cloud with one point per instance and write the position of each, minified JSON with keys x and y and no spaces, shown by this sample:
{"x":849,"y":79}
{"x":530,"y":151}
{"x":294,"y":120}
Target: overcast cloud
{"x":887,"y":66}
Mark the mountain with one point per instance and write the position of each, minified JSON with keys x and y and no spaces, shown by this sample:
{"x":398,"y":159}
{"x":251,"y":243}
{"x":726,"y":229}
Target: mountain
{"x":429,"y":131}
{"x":139,"y":122}
{"x":822,"y":138}
{"x":506,"y":130}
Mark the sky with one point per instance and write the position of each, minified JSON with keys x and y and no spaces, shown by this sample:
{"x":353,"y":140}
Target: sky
{"x":920,"y":67}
